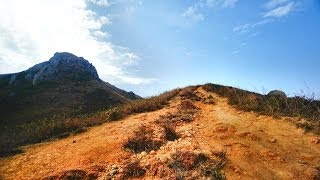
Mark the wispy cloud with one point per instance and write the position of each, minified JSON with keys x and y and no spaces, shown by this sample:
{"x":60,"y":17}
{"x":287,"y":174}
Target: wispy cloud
{"x":274,"y":9}
{"x":196,"y":12}
{"x":274,"y":3}
{"x":243,"y":28}
{"x":280,"y":11}
{"x":193,"y":14}
{"x":249,"y":27}
{"x":103,"y":3}
{"x":29,"y":37}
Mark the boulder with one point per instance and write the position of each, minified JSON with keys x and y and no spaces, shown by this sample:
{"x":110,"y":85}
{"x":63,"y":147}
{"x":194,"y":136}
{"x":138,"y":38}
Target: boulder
{"x":277,"y":93}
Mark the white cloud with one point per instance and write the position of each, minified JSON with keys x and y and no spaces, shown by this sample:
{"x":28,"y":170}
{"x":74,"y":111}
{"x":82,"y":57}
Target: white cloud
{"x":280,"y":11}
{"x":274,"y":3}
{"x":32,"y":31}
{"x":276,"y":9}
{"x":104,"y":3}
{"x":193,"y":14}
{"x":250,"y":27}
{"x":242,"y":28}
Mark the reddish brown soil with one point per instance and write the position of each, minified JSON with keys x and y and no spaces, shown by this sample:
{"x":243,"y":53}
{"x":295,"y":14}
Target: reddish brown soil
{"x":256,"y":147}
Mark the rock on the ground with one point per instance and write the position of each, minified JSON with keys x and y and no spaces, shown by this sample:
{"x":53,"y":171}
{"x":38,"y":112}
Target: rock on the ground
{"x":277,"y":93}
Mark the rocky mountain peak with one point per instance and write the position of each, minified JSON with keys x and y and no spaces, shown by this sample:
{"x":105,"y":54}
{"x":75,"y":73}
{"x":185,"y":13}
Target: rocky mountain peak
{"x":66,"y":65}
{"x":62,"y":65}
{"x":68,"y":59}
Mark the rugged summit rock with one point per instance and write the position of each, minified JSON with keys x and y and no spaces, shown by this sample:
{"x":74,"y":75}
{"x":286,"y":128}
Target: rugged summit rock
{"x":65,"y":84}
{"x":61,"y":66}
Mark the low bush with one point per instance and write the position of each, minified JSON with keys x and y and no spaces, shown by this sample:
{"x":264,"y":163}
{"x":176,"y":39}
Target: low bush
{"x":187,"y":110}
{"x":213,"y":167}
{"x":133,"y":170}
{"x":188,"y":93}
{"x":142,"y":140}
{"x":186,"y":162}
{"x":170,"y":132}
{"x":209,"y":100}
{"x":187,"y":104}
{"x":215,"y":173}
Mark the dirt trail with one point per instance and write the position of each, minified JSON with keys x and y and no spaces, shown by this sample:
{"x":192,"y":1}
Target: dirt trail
{"x":256,"y":146}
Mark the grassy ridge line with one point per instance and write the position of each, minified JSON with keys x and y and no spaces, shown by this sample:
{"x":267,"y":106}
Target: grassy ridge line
{"x":12,"y":137}
{"x":302,"y":107}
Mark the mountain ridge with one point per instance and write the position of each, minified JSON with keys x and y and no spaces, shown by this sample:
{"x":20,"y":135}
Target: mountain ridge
{"x":61,"y":65}
{"x":63,"y":84}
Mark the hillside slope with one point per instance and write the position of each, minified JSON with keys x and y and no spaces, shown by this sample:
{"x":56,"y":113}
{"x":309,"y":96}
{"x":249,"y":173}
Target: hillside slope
{"x":66,"y":84}
{"x":215,"y":141}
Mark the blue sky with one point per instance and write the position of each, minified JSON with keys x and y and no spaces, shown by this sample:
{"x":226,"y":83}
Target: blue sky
{"x":153,"y":46}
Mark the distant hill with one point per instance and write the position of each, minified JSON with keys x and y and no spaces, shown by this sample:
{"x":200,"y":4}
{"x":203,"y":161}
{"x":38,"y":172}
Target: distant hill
{"x":66,"y":84}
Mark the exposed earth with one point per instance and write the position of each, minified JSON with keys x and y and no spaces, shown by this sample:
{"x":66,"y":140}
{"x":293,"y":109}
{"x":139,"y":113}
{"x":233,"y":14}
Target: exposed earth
{"x":244,"y":145}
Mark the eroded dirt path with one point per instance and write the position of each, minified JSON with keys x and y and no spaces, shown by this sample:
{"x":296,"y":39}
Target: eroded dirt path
{"x":256,"y":146}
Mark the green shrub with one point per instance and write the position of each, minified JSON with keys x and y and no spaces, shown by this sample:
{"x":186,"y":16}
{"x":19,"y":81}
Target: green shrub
{"x":115,"y":114}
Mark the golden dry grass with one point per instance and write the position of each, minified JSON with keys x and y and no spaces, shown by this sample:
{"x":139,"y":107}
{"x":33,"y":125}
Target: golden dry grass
{"x":301,"y":107}
{"x":12,"y":137}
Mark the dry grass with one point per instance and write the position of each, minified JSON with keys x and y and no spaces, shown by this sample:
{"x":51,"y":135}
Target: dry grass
{"x":72,"y":174}
{"x":271,"y":105}
{"x":142,"y":140}
{"x":143,"y":105}
{"x":170,"y":131}
{"x":186,"y":162}
{"x":186,"y":105}
{"x":187,"y":110}
{"x":133,"y":170}
{"x":188,"y":93}
{"x":11,"y":137}
{"x":213,"y":167}
{"x":209,"y":100}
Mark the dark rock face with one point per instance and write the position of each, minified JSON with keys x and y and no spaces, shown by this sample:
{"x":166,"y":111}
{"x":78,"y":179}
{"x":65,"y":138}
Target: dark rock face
{"x":65,"y":84}
{"x":61,"y":66}
{"x":277,"y":93}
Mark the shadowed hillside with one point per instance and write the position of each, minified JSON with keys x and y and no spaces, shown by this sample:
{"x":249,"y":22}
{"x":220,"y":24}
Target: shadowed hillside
{"x":13,"y":136}
{"x":66,"y":84}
